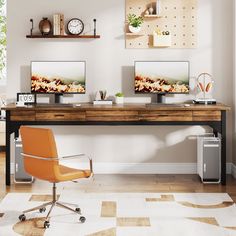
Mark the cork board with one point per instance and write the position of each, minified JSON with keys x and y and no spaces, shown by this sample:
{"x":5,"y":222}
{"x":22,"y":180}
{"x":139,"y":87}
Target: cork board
{"x":179,"y":17}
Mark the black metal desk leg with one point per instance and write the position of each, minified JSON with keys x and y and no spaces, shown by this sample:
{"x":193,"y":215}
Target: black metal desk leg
{"x":223,"y":147}
{"x":8,"y":149}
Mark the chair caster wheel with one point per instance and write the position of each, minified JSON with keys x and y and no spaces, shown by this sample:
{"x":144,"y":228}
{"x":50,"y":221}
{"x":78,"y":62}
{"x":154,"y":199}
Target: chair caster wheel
{"x":41,"y":210}
{"x":82,"y":219}
{"x":22,"y":217}
{"x":46,"y":224}
{"x":77,"y":209}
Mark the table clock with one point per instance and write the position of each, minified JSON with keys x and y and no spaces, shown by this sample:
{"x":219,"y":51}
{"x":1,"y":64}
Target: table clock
{"x":26,"y":98}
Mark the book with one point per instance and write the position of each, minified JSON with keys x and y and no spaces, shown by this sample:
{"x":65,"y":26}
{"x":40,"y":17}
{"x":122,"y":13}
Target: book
{"x":56,"y":24}
{"x":62,"y":25}
{"x":102,"y":102}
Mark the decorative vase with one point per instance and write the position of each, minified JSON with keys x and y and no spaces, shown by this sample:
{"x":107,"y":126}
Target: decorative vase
{"x":133,"y":29}
{"x":45,"y":26}
{"x":151,"y":10}
{"x":119,"y":100}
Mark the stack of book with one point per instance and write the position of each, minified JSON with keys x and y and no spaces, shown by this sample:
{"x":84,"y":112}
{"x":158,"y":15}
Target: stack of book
{"x":58,"y":24}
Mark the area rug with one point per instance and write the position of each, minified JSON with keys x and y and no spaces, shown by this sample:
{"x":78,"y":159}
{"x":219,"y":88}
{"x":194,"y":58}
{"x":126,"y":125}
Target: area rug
{"x":123,"y":214}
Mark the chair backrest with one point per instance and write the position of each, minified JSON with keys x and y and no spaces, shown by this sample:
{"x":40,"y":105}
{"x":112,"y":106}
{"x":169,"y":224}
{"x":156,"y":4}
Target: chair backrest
{"x":39,"y":142}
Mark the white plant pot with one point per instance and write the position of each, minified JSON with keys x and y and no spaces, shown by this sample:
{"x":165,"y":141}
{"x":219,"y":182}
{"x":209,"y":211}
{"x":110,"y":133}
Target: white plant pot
{"x":119,"y":100}
{"x":134,"y":29}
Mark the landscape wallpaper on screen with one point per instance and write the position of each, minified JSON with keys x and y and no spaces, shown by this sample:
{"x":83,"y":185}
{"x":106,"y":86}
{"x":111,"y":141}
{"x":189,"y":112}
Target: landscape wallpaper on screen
{"x":58,"y":77}
{"x":162,"y":77}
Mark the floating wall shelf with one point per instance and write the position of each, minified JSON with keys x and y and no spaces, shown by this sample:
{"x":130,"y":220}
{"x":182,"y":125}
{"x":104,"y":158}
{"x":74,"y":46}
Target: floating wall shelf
{"x":134,"y":34}
{"x":152,"y":16}
{"x":63,"y":36}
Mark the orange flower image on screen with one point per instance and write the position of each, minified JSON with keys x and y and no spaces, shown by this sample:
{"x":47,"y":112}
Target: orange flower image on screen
{"x":147,"y":85}
{"x":44,"y":85}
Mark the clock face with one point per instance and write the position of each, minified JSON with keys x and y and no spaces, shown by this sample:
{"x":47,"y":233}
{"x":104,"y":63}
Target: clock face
{"x":27,"y":98}
{"x":75,"y":26}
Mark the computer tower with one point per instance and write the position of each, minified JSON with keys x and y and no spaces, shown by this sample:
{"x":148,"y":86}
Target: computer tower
{"x":209,"y":159}
{"x":20,"y":175}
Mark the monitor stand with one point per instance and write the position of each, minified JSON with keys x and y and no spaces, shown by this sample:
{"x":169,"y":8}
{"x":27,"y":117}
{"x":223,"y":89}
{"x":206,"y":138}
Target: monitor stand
{"x":160,"y":102}
{"x":160,"y":98}
{"x":58,"y":98}
{"x":57,"y":102}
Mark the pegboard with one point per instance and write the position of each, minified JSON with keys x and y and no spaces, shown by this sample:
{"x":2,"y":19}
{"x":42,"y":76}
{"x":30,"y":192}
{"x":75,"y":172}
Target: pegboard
{"x":179,"y":17}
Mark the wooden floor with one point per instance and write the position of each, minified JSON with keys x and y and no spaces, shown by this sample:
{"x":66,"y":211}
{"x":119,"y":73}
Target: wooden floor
{"x":123,"y":183}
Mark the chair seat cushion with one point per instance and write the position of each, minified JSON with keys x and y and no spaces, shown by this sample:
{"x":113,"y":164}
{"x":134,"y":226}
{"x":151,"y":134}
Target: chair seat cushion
{"x":67,"y":173}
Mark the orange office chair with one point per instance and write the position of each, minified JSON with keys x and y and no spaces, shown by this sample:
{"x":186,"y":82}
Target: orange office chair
{"x":42,"y":162}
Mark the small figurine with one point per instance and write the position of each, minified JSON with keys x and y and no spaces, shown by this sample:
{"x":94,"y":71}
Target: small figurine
{"x":147,"y":12}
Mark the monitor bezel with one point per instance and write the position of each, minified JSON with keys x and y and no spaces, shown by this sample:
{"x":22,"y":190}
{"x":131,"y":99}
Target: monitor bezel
{"x":162,"y":93}
{"x":57,"y":92}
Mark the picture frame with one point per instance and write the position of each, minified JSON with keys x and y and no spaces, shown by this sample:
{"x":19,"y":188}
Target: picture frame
{"x":26,"y":98}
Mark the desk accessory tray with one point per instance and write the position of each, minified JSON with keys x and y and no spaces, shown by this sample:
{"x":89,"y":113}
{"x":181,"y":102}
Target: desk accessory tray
{"x":102,"y":102}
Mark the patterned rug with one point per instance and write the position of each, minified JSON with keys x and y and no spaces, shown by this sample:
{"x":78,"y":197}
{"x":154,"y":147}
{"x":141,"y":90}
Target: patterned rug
{"x":123,"y":214}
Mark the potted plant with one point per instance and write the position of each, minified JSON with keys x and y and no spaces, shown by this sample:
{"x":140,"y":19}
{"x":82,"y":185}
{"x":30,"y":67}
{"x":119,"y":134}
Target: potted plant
{"x":135,"y":23}
{"x":119,"y":98}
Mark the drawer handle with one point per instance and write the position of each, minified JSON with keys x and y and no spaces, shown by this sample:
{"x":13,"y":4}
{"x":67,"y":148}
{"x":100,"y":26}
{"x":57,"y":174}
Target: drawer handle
{"x":59,"y":115}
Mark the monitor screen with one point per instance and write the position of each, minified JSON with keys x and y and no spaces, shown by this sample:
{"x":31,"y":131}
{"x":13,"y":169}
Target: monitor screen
{"x":161,"y":77}
{"x":58,"y":77}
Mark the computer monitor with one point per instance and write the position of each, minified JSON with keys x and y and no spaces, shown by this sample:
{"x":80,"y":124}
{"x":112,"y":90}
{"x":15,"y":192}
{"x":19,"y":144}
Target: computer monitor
{"x":58,"y":77}
{"x":161,"y":77}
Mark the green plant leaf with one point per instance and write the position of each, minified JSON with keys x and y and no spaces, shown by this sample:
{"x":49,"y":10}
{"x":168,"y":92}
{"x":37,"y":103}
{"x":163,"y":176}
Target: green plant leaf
{"x":135,"y":21}
{"x":119,"y":95}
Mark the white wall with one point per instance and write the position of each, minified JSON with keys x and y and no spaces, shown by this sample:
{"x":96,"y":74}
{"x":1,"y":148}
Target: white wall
{"x":234,"y":97}
{"x":110,"y":66}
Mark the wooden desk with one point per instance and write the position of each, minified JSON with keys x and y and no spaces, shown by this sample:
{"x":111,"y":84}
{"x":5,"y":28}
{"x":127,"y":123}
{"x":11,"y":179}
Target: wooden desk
{"x":135,"y":114}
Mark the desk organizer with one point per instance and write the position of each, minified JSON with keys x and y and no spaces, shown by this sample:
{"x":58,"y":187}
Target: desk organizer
{"x":179,"y":17}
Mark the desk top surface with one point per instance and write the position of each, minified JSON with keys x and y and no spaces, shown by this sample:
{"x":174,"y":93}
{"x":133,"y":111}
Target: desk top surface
{"x":136,"y":107}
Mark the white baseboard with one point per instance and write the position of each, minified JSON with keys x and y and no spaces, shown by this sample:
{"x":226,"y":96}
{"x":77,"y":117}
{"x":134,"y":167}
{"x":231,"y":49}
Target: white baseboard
{"x":229,"y":168}
{"x":233,"y":170}
{"x":150,"y":168}
{"x":146,"y":168}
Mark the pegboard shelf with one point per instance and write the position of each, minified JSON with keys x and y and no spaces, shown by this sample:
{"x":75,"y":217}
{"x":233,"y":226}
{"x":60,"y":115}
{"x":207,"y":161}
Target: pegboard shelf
{"x":134,"y":34}
{"x":152,"y":16}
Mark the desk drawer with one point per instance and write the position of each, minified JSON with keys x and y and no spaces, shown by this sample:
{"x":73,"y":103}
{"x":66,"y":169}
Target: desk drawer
{"x":165,"y":115}
{"x":206,"y":115}
{"x":60,"y":116}
{"x":112,"y":116}
{"x":23,"y":115}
